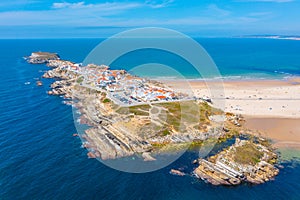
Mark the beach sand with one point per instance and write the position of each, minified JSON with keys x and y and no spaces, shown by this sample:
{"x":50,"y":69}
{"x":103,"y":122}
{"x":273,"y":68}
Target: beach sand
{"x":264,"y":98}
{"x":270,"y":106}
{"x":285,"y":132}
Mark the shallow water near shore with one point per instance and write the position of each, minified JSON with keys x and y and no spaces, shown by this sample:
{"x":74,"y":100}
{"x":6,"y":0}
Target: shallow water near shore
{"x":40,"y":159}
{"x":289,"y":154}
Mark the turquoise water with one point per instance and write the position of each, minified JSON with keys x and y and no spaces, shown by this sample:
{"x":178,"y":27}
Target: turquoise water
{"x":39,"y":158}
{"x":235,"y":59}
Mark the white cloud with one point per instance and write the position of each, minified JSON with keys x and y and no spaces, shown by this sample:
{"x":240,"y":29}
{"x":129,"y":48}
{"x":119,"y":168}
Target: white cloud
{"x":156,"y":4}
{"x":61,"y":17}
{"x":77,"y":14}
{"x":68,"y":5}
{"x":111,"y":5}
{"x":81,"y":14}
{"x":101,"y":7}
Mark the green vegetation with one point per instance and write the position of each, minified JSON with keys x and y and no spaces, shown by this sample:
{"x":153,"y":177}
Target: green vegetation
{"x":106,"y":100}
{"x":180,"y":113}
{"x":172,"y":116}
{"x":142,"y":110}
{"x":231,"y":132}
{"x":176,"y":115}
{"x":173,"y":112}
{"x":170,"y":147}
{"x":248,"y":154}
{"x":207,"y":110}
{"x":141,"y":107}
{"x":139,"y":112}
{"x":121,"y":110}
{"x":80,"y":80}
{"x":195,"y":145}
{"x":165,"y":132}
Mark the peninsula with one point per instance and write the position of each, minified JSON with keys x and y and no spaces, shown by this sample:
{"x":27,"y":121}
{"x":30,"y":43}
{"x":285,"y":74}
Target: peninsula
{"x":130,"y":115}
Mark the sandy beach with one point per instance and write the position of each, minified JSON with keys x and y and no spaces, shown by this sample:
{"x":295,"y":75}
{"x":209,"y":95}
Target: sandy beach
{"x":262,"y":98}
{"x":285,"y":132}
{"x":270,"y":106}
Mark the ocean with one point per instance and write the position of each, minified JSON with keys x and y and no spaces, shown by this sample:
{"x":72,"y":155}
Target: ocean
{"x":40,"y":159}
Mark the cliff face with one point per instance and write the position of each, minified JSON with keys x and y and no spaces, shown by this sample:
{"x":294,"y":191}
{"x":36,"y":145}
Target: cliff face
{"x":42,"y":57}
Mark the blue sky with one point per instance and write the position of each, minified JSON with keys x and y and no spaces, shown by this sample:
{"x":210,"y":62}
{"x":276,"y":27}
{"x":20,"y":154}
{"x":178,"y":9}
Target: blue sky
{"x":78,"y":18}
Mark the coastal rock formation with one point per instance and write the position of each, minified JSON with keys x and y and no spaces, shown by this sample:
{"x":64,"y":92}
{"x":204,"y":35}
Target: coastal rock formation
{"x":147,"y":156}
{"x":63,"y":87}
{"x":41,"y":57}
{"x":177,"y":172}
{"x":244,"y":161}
{"x":39,"y":83}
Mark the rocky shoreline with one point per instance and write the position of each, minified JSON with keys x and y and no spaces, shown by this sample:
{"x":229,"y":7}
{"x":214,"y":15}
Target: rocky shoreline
{"x":230,"y":167}
{"x":41,"y":57}
{"x":118,"y":131}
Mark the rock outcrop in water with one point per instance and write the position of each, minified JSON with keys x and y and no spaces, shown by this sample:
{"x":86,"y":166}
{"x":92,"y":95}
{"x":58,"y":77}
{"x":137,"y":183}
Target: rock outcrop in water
{"x":244,"y":161}
{"x":41,"y":57}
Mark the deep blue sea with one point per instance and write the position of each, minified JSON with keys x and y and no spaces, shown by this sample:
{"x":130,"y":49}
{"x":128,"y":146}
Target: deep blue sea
{"x":40,"y":159}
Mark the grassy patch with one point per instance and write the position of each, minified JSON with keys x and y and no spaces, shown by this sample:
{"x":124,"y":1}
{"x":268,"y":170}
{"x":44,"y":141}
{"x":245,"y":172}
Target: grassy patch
{"x":139,"y":112}
{"x":121,"y":110}
{"x":106,"y":100}
{"x":165,"y":132}
{"x":141,"y":107}
{"x":142,"y":110}
{"x":206,"y":110}
{"x":177,"y":116}
{"x":181,"y":112}
{"x":80,"y":80}
{"x":234,"y":131}
{"x":248,"y":154}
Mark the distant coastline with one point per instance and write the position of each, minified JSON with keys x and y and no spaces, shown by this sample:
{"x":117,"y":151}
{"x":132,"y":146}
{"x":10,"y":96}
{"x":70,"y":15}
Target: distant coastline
{"x":277,"y":37}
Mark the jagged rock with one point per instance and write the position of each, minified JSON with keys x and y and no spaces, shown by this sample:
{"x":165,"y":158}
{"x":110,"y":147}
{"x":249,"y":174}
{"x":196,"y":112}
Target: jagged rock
{"x":39,"y":83}
{"x":147,"y":156}
{"x":91,"y":155}
{"x":176,"y":172}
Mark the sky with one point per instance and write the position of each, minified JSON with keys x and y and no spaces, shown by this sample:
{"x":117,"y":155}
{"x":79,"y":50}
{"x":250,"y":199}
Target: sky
{"x":98,"y":19}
